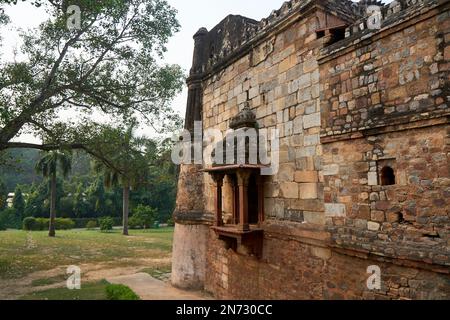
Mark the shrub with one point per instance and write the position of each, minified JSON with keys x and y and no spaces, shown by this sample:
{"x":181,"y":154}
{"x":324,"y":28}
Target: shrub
{"x":43,"y":224}
{"x":10,"y":218}
{"x":31,"y":224}
{"x":135,"y":222}
{"x":40,"y":224}
{"x":92,"y":224}
{"x":106,"y":223}
{"x":170,"y":222}
{"x":120,"y":292}
{"x":143,"y":216}
{"x":64,"y":224}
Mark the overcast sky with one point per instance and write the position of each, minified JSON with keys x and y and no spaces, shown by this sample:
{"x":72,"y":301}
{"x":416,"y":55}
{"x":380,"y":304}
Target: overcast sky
{"x":192,"y":15}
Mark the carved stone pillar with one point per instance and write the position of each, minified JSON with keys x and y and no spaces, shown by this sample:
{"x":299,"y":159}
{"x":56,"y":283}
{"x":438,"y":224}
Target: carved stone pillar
{"x":218,"y":179}
{"x":243,"y":179}
{"x":260,"y":184}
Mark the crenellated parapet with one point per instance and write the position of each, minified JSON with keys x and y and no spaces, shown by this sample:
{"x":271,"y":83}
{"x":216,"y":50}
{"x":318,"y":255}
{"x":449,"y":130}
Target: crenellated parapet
{"x":233,"y":34}
{"x":236,"y":33}
{"x":376,"y":15}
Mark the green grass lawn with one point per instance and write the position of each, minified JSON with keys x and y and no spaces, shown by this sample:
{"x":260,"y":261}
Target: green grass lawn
{"x":22,"y":253}
{"x":90,"y":291}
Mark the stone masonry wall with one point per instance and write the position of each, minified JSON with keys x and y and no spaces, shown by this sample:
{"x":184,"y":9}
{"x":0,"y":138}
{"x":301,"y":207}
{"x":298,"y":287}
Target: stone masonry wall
{"x":399,"y":77}
{"x":292,"y":269}
{"x":281,"y":77}
{"x":342,"y":115}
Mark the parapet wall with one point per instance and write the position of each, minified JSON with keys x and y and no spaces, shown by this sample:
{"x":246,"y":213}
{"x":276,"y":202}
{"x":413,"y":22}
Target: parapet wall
{"x":235,"y":35}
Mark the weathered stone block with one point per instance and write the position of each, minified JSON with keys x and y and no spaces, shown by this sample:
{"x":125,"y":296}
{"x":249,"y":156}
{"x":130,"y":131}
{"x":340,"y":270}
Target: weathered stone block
{"x":311,"y":140}
{"x":330,"y":169}
{"x":298,"y":125}
{"x":372,"y":179}
{"x":373,"y":226}
{"x":306,"y":176}
{"x":377,"y":216}
{"x":314,"y":217}
{"x":311,"y":120}
{"x":335,"y":210}
{"x":286,"y":172}
{"x":289,"y":190}
{"x":308,"y":191}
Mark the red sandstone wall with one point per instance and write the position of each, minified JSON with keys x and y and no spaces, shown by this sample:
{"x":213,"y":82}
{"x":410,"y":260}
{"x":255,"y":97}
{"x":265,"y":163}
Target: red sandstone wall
{"x":290,"y":269}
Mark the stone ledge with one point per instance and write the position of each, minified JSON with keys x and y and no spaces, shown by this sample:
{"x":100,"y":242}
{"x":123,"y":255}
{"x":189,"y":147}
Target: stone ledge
{"x":401,"y":125}
{"x":365,"y":254}
{"x":193,"y":217}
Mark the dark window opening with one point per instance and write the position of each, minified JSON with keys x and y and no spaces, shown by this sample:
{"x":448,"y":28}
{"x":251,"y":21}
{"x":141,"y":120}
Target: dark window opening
{"x":320,"y":34}
{"x":387,"y":176}
{"x":337,"y":34}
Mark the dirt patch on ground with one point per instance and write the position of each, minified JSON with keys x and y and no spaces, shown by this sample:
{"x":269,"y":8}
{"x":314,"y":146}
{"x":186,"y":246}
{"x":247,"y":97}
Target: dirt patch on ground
{"x":12,"y":289}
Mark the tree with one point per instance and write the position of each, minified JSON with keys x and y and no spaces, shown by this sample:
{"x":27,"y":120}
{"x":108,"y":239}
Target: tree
{"x":79,"y":202}
{"x":128,"y":165}
{"x":96,"y":193}
{"x":48,"y":166}
{"x":3,"y":195}
{"x":144,"y":216}
{"x":35,"y":205}
{"x":108,"y":65}
{"x":19,"y":201}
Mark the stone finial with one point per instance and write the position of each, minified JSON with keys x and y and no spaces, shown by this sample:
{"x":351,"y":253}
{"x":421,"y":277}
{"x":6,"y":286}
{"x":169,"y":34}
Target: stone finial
{"x":244,"y":119}
{"x":201,"y":32}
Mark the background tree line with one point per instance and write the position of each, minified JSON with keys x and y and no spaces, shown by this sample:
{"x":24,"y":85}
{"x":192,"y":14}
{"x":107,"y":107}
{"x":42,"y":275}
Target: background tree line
{"x":83,"y":194}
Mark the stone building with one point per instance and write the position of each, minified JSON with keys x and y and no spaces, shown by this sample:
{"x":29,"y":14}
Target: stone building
{"x":359,"y":93}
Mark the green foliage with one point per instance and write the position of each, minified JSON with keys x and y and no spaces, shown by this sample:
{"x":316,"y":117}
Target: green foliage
{"x":143,"y":217}
{"x":10,"y":219}
{"x":3,"y":195}
{"x":120,"y":292}
{"x":64,"y":224}
{"x":31,"y":224}
{"x":110,"y":65}
{"x":50,"y":162}
{"x":106,"y":224}
{"x":83,"y":196}
{"x":19,"y":201}
{"x":41,"y":224}
{"x":91,"y":225}
{"x":17,"y":168}
{"x":170,"y":222}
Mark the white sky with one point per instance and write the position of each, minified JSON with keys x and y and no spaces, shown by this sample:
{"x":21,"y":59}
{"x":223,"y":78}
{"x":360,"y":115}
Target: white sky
{"x":192,"y":14}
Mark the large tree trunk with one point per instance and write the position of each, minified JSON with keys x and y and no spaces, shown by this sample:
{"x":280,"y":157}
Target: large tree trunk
{"x":51,"y":228}
{"x":126,"y":208}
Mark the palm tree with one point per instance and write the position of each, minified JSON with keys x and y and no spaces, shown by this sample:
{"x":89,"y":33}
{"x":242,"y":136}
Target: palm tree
{"x":48,"y":167}
{"x":127,"y":164}
{"x":112,"y":179}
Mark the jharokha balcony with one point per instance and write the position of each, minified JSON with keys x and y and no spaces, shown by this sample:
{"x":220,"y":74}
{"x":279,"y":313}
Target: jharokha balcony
{"x":244,"y":234}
